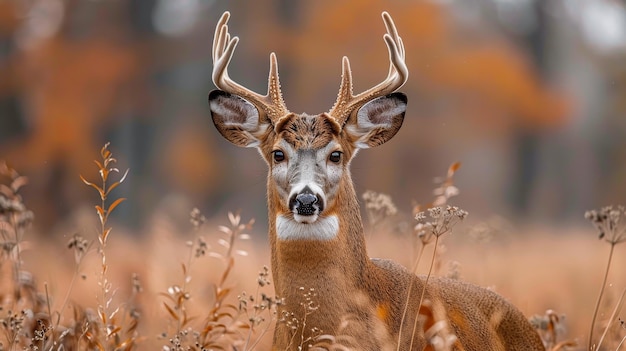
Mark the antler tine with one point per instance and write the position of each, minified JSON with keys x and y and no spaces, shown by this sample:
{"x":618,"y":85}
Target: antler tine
{"x":221,"y":30}
{"x":397,"y":76}
{"x":224,"y":46}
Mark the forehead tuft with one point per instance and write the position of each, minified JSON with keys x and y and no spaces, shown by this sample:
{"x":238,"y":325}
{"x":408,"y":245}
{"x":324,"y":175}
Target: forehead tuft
{"x":308,"y":132}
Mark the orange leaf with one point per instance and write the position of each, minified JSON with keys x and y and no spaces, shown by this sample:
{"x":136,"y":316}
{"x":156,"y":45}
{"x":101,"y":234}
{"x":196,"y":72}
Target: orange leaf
{"x":114,"y":331}
{"x":453,"y":168}
{"x":98,"y":164}
{"x":126,"y":343}
{"x":91,"y":185}
{"x":124,"y":176}
{"x":133,"y":325}
{"x":94,"y":340}
{"x":223,"y":315}
{"x":171,"y":311}
{"x":111,"y":187}
{"x":101,"y":213}
{"x":104,"y":174}
{"x":104,"y":152}
{"x":105,"y":235}
{"x":103,"y":317}
{"x":231,"y":306}
{"x":114,"y":205}
{"x":168,"y":296}
{"x":221,"y":293}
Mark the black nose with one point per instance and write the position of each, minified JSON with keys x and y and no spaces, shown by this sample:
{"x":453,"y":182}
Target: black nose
{"x":306,"y":203}
{"x":306,"y":199}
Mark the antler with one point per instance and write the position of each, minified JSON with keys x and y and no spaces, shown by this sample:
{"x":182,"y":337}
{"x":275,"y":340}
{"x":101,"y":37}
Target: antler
{"x":397,"y":76}
{"x":223,"y":48}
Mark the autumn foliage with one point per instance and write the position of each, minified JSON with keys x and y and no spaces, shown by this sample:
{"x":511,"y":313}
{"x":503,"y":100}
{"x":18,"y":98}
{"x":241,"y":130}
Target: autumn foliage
{"x":116,"y":79}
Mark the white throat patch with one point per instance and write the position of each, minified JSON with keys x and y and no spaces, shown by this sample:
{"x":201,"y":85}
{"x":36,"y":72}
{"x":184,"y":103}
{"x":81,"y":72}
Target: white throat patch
{"x":325,"y":228}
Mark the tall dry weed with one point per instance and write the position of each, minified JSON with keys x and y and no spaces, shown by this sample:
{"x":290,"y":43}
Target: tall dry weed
{"x":611,"y":227}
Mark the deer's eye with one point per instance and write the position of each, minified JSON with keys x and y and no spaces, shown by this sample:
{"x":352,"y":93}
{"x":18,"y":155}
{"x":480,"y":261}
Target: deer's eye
{"x":279,"y":156}
{"x":335,"y":157}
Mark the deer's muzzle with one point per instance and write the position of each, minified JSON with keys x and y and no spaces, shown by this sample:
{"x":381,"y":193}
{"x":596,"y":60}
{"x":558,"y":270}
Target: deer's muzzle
{"x":306,"y":203}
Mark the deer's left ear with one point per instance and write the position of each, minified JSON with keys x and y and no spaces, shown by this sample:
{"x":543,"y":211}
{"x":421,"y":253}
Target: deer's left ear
{"x":236,"y":119}
{"x":378,"y":121}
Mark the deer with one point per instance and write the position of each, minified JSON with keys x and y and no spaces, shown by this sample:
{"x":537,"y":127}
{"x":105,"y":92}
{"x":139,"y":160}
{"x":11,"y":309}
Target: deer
{"x":316,"y":234}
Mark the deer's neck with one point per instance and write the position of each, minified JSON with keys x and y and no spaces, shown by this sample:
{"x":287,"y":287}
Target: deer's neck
{"x":326,"y":255}
{"x":322,"y":264}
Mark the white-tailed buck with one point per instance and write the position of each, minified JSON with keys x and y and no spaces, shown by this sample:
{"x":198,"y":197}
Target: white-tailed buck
{"x":315,"y":227}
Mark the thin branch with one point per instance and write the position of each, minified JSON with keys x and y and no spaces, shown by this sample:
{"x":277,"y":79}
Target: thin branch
{"x":590,"y":345}
{"x":617,"y":308}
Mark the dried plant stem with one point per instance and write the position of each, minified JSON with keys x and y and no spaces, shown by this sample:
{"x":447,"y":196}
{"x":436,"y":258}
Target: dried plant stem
{"x":564,"y":344}
{"x":67,"y":295}
{"x":408,"y":294}
{"x":617,"y":308}
{"x":105,"y":168}
{"x":186,"y":279}
{"x":246,"y":346}
{"x":430,"y":271}
{"x":104,"y":282}
{"x":52,"y":324}
{"x":258,"y":339}
{"x":18,"y":259}
{"x":590,"y":345}
{"x":304,"y":325}
{"x":620,"y":344}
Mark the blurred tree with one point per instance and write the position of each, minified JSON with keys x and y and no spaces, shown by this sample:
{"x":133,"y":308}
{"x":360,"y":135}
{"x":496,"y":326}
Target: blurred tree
{"x":137,"y":73}
{"x":10,"y":120}
{"x":69,"y":84}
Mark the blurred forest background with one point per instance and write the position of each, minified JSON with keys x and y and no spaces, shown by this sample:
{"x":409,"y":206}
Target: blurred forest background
{"x":530,"y":95}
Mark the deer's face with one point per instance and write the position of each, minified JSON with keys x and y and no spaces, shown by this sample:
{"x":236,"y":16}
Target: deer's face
{"x":308,"y":156}
{"x":307,"y":161}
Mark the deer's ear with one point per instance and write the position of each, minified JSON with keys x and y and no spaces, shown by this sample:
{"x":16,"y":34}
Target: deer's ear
{"x":236,"y":119}
{"x":378,"y":121}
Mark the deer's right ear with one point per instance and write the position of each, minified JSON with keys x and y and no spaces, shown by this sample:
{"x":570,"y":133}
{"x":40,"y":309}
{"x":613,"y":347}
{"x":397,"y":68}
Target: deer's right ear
{"x":235,"y":118}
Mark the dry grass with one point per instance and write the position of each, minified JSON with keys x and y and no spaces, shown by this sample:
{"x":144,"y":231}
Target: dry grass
{"x":207,"y":287}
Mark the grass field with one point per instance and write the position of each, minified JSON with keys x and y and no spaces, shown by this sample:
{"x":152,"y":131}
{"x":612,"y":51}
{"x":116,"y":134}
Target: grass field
{"x":205,"y":287}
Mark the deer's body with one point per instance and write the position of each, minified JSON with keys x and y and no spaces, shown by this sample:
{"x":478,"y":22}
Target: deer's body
{"x":315,"y":228}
